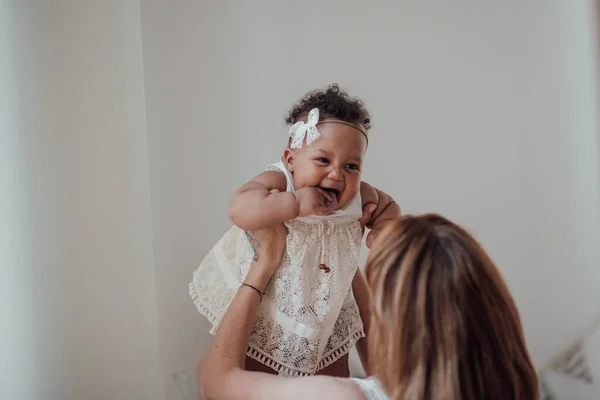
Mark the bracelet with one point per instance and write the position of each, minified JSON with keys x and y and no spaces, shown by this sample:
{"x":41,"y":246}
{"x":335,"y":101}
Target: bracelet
{"x":257,"y":291}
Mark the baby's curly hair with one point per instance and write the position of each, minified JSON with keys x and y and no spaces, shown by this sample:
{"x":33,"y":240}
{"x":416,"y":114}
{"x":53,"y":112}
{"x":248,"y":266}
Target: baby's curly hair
{"x":332,"y":102}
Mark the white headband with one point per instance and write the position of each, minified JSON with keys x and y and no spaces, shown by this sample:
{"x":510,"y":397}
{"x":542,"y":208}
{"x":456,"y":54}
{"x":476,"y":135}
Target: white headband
{"x":308,"y":129}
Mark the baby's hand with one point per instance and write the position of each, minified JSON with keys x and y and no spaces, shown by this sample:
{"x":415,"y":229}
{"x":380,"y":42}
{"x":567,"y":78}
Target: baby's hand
{"x":314,"y":201}
{"x":377,"y":218}
{"x":368,"y":210}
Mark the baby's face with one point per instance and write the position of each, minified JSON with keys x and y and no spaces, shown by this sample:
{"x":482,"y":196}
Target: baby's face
{"x":333,"y":162}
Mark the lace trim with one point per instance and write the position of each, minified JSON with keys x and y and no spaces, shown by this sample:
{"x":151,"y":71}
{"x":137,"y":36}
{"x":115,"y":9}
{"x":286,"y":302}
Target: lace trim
{"x":344,"y":349}
{"x":257,"y":354}
{"x":209,"y":314}
{"x":202,"y":309}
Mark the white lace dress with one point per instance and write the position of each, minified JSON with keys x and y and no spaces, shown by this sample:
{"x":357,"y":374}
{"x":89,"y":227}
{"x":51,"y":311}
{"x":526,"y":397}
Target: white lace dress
{"x":308,"y":318}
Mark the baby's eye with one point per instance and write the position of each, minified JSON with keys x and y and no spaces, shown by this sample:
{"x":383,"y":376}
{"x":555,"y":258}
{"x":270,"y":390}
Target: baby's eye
{"x":353,"y":167}
{"x":323,"y":160}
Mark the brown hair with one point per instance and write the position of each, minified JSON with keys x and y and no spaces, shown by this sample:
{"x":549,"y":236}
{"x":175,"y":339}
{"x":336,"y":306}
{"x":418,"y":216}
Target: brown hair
{"x":332,"y":102}
{"x":444,"y":323}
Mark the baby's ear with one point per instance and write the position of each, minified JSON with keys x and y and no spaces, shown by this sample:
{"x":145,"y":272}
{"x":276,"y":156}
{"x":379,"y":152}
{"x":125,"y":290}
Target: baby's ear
{"x":288,"y":159}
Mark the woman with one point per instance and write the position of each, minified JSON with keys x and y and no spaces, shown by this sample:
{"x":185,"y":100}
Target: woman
{"x":444,"y":325}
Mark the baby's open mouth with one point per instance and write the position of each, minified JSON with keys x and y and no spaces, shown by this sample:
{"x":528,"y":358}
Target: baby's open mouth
{"x":335,"y":195}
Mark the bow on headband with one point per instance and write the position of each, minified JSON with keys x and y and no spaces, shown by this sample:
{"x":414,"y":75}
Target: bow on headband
{"x":302,"y":129}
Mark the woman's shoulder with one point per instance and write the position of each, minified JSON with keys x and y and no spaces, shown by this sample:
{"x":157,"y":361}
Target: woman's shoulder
{"x":370,"y":388}
{"x":333,"y":388}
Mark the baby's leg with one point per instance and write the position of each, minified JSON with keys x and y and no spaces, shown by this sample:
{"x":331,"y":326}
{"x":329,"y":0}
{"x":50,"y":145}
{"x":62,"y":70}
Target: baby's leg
{"x":339,"y":368}
{"x":253,"y":365}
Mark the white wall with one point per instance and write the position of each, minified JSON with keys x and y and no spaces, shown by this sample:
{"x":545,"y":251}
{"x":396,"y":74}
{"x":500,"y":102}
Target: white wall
{"x":192,"y":159}
{"x":482,"y":111}
{"x":17,"y":347}
{"x":560,"y":178}
{"x":81,"y":229}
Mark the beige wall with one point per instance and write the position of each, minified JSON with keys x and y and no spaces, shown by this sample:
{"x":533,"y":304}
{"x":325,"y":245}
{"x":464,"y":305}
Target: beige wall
{"x":80,"y":278}
{"x":116,"y":184}
{"x":483,"y":111}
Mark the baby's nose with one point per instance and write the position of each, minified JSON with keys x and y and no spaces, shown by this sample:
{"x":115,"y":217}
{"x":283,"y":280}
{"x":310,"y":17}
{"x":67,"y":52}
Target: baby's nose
{"x":336,"y":174}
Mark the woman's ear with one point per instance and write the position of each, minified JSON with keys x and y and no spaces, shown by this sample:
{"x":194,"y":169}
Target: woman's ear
{"x":288,"y":159}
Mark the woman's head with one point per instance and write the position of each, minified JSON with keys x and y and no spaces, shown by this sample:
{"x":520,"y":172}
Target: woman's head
{"x":334,"y":160}
{"x":444,"y":323}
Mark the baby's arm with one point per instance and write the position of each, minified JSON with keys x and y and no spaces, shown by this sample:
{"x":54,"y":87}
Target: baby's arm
{"x":387,"y":209}
{"x":254,"y":207}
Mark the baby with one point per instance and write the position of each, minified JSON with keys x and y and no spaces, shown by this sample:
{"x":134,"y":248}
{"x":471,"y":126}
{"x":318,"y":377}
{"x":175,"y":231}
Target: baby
{"x":309,"y":318}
